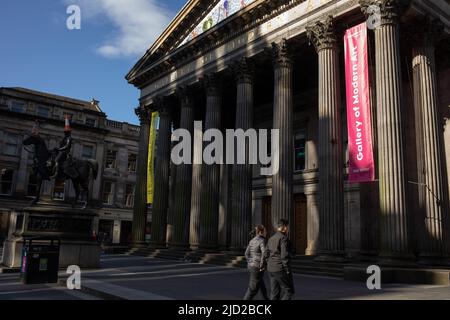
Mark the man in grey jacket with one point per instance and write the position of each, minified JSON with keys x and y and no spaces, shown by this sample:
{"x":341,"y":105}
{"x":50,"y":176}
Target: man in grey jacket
{"x":278,"y":263}
{"x":256,"y":264}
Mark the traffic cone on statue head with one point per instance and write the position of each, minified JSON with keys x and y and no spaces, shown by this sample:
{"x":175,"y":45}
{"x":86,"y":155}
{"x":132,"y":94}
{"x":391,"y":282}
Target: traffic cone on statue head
{"x":67,"y":127}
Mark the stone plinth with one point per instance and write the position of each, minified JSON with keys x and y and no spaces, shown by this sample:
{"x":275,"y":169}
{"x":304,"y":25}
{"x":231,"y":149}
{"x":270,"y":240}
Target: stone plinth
{"x":73,"y":226}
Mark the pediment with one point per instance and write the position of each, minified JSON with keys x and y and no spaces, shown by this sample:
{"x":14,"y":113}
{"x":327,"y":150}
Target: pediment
{"x":195,"y":18}
{"x":221,"y":11}
{"x":199,"y":16}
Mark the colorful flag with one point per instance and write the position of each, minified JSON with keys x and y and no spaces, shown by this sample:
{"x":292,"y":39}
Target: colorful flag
{"x":361,"y":162}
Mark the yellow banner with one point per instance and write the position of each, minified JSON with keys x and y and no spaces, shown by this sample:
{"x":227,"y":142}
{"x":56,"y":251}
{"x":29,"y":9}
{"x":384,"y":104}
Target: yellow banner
{"x":151,"y":157}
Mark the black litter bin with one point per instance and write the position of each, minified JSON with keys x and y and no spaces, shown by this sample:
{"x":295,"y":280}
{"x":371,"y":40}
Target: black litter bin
{"x":40,"y":260}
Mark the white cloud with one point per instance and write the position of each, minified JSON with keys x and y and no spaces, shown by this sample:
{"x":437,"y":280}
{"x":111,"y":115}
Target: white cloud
{"x":138,"y":23}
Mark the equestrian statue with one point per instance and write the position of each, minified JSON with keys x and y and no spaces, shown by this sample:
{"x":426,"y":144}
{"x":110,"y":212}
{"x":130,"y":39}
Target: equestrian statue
{"x":59,"y":165}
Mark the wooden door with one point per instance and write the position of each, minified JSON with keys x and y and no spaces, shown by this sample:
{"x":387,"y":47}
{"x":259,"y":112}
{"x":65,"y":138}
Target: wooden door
{"x":300,"y":230}
{"x":267,"y":214}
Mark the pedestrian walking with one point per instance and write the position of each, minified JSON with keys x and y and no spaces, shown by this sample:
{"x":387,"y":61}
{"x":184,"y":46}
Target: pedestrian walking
{"x":279,"y":263}
{"x":255,"y":264}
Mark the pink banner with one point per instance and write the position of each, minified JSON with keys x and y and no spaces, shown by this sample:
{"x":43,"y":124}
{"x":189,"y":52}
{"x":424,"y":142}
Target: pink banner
{"x":362,"y":167}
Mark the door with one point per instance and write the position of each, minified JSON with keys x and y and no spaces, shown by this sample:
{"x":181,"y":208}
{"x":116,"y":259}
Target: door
{"x":300,"y":232}
{"x":125,"y":232}
{"x":267,"y":214}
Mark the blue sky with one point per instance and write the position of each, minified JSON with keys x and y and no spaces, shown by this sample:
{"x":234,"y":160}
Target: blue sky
{"x":37,"y":50}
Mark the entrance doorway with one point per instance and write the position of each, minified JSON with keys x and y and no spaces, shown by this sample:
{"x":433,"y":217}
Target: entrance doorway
{"x":125,"y":232}
{"x":267,"y":215}
{"x":298,"y":228}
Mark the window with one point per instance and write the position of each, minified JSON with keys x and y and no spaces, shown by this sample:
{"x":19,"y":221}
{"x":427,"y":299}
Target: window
{"x":108,"y":193}
{"x":32,"y":185}
{"x":129,"y":196}
{"x":17,"y":106}
{"x":43,"y":112}
{"x":6,"y":181}
{"x":132,"y":159}
{"x":88,"y":152}
{"x":90,"y":122}
{"x":300,"y":151}
{"x":111,"y":159}
{"x":11,"y":146}
{"x":58,"y":190}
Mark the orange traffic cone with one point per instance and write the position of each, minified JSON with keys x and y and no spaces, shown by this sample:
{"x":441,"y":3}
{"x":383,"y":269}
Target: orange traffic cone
{"x":67,"y":124}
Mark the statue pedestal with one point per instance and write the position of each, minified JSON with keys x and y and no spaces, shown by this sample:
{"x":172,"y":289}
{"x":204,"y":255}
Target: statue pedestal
{"x":73,"y":226}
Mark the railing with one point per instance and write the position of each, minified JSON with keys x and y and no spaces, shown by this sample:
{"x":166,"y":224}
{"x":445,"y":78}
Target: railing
{"x":114,"y":124}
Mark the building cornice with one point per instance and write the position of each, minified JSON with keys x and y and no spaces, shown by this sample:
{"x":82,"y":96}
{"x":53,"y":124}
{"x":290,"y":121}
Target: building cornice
{"x":191,"y":14}
{"x":250,"y":17}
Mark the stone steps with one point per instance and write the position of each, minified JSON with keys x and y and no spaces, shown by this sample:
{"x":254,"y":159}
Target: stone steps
{"x":300,"y":264}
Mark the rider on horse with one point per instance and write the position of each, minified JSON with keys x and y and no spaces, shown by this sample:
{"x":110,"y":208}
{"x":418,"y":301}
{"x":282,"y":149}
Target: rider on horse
{"x":63,"y":159}
{"x":39,"y":167}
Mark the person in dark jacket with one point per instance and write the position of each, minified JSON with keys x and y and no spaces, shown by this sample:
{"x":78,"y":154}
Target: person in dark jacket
{"x":278,"y":263}
{"x":255,"y":263}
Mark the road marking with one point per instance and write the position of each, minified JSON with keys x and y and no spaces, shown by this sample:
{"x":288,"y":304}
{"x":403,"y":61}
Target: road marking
{"x":175,"y":276}
{"x":121,"y":292}
{"x":168,"y":271}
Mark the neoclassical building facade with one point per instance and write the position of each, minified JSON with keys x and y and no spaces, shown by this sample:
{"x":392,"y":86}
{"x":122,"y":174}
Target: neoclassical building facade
{"x":279,"y":64}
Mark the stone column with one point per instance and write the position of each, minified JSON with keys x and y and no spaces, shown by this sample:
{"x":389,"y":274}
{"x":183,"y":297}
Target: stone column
{"x":331,"y":162}
{"x":171,"y":202}
{"x":183,"y":187}
{"x":433,"y":202}
{"x":241,"y":215}
{"x":209,"y":206}
{"x":196,"y":194}
{"x":161,"y":193}
{"x":395,"y":219}
{"x":140,"y":201}
{"x":283,"y":121}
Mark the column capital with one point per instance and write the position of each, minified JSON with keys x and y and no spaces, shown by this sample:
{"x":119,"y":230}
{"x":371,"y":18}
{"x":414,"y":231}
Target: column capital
{"x":185,"y":94}
{"x":388,"y":9}
{"x":322,"y":34}
{"x":162,"y":105}
{"x":212,"y":83}
{"x":143,"y":114}
{"x":281,"y":53}
{"x":243,"y":70}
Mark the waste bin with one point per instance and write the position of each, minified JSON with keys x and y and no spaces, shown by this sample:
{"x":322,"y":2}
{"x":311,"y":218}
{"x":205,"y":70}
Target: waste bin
{"x":40,"y":260}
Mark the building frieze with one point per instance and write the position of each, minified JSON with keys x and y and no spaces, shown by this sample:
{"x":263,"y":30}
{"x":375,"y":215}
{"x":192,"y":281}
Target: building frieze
{"x":248,"y":42}
{"x":268,"y":14}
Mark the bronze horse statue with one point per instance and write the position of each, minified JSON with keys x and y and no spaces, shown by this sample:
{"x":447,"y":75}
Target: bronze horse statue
{"x":44,"y":162}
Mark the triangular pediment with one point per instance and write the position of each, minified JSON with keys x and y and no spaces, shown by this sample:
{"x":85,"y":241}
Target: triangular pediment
{"x":195,"y":18}
{"x":183,"y":23}
{"x":221,"y":11}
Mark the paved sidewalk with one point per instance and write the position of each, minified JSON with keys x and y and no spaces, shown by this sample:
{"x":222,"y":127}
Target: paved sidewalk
{"x":140,"y":278}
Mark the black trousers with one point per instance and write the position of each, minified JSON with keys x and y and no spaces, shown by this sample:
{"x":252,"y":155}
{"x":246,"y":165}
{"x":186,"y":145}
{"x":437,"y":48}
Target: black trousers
{"x":256,"y":283}
{"x":282,"y":285}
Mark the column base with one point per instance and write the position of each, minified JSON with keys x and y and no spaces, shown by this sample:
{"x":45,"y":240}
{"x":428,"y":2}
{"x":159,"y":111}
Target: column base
{"x":330,"y":257}
{"x":433,"y":260}
{"x":396,"y":260}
